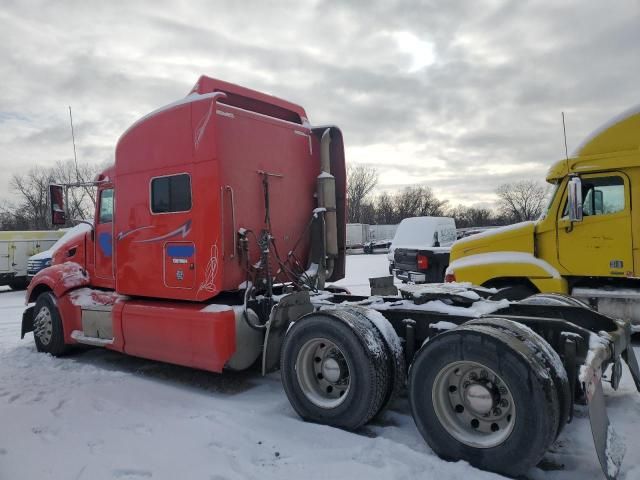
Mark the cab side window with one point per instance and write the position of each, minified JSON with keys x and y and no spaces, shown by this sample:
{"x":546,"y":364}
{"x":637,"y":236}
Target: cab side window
{"x":171,"y":194}
{"x":602,"y":196}
{"x":106,"y":206}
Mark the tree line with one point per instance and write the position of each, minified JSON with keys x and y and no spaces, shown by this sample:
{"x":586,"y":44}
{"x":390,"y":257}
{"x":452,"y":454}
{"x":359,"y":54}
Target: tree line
{"x":517,"y":202}
{"x":30,"y":209}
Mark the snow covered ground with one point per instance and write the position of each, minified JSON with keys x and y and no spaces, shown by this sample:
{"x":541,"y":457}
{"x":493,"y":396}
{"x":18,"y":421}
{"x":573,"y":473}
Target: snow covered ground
{"x":102,"y":415}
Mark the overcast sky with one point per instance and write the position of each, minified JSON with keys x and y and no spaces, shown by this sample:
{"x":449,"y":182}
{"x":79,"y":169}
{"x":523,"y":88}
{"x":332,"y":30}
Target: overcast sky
{"x":459,"y":96}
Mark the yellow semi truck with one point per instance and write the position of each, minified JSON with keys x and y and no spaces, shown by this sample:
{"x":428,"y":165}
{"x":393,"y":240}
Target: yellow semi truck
{"x":586,"y":243}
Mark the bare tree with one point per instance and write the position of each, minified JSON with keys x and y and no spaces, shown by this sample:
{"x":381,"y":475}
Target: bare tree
{"x":416,"y":202}
{"x":473,"y":217}
{"x":368,"y":213}
{"x":12,"y":217}
{"x":521,"y":201}
{"x":361,"y":180}
{"x":33,"y":190}
{"x":430,"y":206}
{"x":82,"y":200}
{"x":407,"y":202}
{"x":385,"y":211}
{"x":31,"y":210}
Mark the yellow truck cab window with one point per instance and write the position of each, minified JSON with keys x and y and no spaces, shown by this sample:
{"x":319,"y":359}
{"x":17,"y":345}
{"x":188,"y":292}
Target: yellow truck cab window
{"x":602,"y":195}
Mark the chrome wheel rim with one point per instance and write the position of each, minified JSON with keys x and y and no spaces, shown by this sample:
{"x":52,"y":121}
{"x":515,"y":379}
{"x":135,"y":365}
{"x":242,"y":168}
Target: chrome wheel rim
{"x":473,"y":404}
{"x":323,"y":373}
{"x":43,"y":325}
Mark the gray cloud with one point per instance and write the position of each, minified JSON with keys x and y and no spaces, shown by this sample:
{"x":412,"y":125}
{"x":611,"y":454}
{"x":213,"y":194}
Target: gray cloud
{"x":485,"y":112}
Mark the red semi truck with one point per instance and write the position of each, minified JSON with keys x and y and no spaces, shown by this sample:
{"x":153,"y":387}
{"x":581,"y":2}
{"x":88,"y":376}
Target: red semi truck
{"x":214,"y":236}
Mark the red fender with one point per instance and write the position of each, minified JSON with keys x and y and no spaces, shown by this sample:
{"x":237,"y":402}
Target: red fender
{"x":60,"y":279}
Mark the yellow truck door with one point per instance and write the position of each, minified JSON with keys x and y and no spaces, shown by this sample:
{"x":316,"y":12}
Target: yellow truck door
{"x":600,"y":244}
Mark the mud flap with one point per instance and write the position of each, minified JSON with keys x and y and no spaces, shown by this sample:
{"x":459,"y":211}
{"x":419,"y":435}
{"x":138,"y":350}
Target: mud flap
{"x":609,"y":448}
{"x":629,"y":356}
{"x":27,"y":321}
{"x":289,"y":309}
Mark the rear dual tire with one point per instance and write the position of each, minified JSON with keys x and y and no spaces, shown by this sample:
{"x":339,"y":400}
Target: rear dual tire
{"x":542,"y":352}
{"x":487,"y":392}
{"x":337,"y":369}
{"x":478,"y":394}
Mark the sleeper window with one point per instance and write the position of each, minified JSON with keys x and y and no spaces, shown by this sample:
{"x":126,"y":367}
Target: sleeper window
{"x":171,"y":194}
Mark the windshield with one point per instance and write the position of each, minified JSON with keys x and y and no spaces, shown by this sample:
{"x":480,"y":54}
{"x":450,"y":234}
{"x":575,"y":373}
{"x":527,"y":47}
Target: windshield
{"x":554,"y":192}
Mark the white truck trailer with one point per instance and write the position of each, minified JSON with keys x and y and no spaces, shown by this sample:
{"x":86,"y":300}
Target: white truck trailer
{"x":15,"y":250}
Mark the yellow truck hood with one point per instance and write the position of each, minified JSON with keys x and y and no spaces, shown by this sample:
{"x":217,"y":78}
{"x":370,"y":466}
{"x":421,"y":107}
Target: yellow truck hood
{"x":512,"y":238}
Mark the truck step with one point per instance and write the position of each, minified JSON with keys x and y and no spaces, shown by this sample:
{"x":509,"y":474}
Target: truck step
{"x":80,"y":337}
{"x":97,"y":323}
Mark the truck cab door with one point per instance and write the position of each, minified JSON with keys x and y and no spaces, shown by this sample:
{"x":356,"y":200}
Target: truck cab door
{"x":103,"y":241}
{"x":600,"y":244}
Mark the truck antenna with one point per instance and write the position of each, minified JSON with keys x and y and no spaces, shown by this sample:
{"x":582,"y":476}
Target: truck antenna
{"x":564,"y":129}
{"x":73,"y":139}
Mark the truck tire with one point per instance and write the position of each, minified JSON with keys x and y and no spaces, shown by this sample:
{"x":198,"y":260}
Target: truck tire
{"x":555,"y":299}
{"x":47,"y":326}
{"x":513,"y":292}
{"x":477,"y":395}
{"x":19,"y":283}
{"x":335,"y":369}
{"x":544,"y":352}
{"x":396,"y":365}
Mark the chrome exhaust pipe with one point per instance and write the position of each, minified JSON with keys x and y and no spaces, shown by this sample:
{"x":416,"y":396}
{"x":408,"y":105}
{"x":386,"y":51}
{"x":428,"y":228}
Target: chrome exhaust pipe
{"x":327,"y":200}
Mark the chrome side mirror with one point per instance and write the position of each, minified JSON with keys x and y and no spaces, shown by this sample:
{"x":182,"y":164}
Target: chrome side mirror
{"x":575,"y":199}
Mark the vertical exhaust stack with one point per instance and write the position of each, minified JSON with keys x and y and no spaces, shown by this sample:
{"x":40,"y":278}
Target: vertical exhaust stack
{"x":327,"y":200}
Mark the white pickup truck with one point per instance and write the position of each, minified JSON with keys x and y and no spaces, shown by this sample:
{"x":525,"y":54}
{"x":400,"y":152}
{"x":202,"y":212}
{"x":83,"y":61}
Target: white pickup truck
{"x":420,"y":249}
